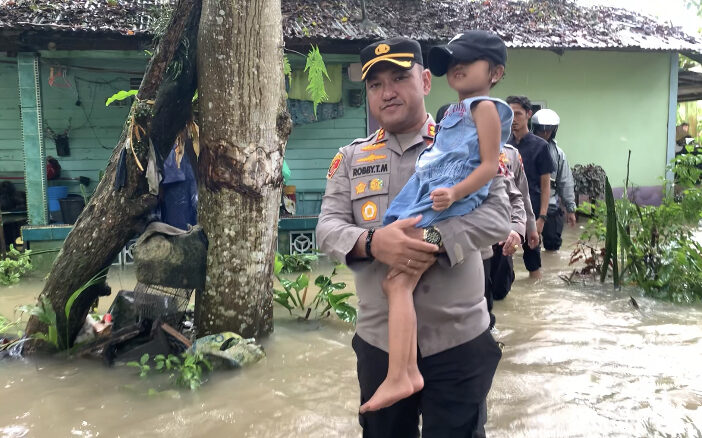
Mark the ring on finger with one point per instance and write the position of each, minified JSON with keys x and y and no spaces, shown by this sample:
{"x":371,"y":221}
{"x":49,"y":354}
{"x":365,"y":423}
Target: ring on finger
{"x":409,"y":261}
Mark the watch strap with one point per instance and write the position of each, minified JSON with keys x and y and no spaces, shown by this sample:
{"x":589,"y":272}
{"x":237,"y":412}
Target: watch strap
{"x":369,"y":239}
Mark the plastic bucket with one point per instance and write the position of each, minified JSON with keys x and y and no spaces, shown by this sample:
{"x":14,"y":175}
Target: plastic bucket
{"x":71,"y":208}
{"x":54,"y":193}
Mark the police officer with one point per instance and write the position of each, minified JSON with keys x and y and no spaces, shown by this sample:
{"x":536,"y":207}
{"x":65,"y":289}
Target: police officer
{"x":457,"y":354}
{"x":497,"y":261}
{"x":545,"y":123}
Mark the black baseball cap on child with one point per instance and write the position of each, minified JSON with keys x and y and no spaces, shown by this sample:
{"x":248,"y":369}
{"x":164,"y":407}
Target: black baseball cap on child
{"x":467,"y":47}
{"x":403,"y":52}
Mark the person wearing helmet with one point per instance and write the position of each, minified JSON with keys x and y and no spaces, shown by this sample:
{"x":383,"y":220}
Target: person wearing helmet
{"x":545,"y":124}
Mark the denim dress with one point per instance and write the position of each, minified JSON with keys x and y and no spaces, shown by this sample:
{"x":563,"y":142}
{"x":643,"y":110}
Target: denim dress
{"x":453,"y":156}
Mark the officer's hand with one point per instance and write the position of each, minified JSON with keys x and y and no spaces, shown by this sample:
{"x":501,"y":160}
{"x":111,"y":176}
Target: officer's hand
{"x":534,"y":239}
{"x":540,"y":225}
{"x":511,"y":244}
{"x":570,"y":218}
{"x":393,"y":246}
{"x":443,"y":198}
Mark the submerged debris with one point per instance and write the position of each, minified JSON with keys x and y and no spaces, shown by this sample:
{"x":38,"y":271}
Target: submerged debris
{"x":228,"y":349}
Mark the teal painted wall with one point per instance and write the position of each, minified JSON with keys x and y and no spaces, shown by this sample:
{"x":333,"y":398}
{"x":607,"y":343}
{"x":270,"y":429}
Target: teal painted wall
{"x":311,"y":147}
{"x":11,"y":163}
{"x":94,"y":128}
{"x":609,"y":102}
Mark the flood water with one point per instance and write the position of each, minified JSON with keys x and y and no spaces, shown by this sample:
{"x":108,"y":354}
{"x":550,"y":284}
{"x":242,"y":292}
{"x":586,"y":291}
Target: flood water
{"x":579,"y":361}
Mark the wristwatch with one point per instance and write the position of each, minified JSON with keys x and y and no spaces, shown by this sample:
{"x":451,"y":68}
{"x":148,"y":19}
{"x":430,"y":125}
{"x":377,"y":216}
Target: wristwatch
{"x":432,"y":235}
{"x":543,"y":217}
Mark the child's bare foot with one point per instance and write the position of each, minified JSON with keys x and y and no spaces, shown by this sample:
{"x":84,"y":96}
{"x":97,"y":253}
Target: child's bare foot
{"x":416,"y":378}
{"x":389,"y":392}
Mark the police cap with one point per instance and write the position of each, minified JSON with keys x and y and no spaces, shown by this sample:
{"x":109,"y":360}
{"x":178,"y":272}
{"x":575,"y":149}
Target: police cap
{"x":400,"y":51}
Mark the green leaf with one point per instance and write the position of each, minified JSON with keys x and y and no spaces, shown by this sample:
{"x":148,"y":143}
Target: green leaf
{"x":316,"y":72}
{"x":284,"y":303}
{"x":144,"y":358}
{"x":121,"y":95}
{"x":346,"y":312}
{"x":302,"y":281}
{"x":277,"y":264}
{"x":287,"y":71}
{"x":97,"y":278}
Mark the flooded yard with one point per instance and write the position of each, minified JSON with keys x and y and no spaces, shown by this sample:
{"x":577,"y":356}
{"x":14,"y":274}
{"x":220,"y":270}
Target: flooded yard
{"x":579,"y":361}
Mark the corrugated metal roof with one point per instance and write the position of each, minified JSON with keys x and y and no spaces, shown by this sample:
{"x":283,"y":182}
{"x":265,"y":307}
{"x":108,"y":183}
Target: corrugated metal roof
{"x":548,"y":24}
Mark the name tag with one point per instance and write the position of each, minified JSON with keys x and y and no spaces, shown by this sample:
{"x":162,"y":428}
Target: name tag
{"x":370,"y":169}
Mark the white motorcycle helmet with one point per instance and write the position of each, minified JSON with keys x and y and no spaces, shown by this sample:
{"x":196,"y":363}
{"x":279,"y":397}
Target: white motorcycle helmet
{"x":544,"y":120}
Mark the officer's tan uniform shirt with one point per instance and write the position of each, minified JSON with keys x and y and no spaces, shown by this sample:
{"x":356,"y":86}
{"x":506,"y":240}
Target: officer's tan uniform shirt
{"x":518,"y":191}
{"x":363,"y":178}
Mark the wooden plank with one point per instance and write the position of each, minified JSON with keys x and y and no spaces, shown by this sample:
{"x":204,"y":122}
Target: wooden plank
{"x":176,"y":334}
{"x":328,"y":133}
{"x":293,"y":223}
{"x":47,"y":232}
{"x":297,"y":154}
{"x":312,"y":185}
{"x":83,"y":164}
{"x":309,"y":164}
{"x":319,"y":144}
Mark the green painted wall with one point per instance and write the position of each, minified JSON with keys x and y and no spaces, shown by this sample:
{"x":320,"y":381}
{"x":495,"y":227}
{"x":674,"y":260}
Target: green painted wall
{"x":11,"y":163}
{"x":95,"y":129}
{"x":609,"y":102}
{"x":311,"y":147}
{"x":78,"y":104}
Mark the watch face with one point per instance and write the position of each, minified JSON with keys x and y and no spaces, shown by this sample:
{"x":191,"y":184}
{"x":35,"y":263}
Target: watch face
{"x":432,"y":236}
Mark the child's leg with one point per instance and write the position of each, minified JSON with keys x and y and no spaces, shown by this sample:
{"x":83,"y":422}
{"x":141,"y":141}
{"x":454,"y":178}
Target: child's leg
{"x":412,"y":369}
{"x":402,"y":327}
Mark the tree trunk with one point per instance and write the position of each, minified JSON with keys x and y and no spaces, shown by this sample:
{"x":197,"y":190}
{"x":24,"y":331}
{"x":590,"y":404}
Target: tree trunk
{"x":113,"y":216}
{"x":244,"y":130}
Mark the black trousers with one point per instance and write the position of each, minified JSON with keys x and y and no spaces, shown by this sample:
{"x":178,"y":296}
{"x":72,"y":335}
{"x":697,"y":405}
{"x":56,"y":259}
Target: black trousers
{"x":532,"y":257}
{"x":488,"y":290}
{"x":501,"y":273}
{"x":452,"y":403}
{"x":553,"y":229}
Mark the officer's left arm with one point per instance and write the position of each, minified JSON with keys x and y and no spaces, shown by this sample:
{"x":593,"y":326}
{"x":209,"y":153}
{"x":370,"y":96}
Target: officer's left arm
{"x":516,"y":201}
{"x":482,"y":227}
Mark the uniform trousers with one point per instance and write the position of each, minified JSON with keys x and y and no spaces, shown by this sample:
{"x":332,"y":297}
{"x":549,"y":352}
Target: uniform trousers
{"x":453,"y":401}
{"x":532,"y":257}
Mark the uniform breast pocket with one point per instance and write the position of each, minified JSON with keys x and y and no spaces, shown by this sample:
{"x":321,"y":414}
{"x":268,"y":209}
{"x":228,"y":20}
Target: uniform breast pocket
{"x":369,"y":199}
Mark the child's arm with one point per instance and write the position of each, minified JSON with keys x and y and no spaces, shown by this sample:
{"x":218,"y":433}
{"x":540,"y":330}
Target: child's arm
{"x":487,"y":122}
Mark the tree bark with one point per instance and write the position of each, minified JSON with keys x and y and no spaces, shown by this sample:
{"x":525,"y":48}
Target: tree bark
{"x":244,"y":130}
{"x":113,"y":216}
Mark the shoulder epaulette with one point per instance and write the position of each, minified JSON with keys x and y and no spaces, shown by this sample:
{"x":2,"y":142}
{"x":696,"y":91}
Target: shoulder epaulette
{"x":368,"y":139}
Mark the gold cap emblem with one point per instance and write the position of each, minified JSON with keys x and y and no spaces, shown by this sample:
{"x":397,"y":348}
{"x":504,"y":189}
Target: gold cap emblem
{"x":382,"y":49}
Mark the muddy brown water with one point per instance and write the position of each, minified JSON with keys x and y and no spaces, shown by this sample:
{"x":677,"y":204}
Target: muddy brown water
{"x":579,"y":361}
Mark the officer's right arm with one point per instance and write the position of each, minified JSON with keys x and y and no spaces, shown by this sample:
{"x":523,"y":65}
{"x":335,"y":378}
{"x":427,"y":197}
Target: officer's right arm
{"x":337,"y":232}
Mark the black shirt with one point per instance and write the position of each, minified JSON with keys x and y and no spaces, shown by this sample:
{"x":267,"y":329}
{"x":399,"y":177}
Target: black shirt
{"x":537,"y":161}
